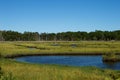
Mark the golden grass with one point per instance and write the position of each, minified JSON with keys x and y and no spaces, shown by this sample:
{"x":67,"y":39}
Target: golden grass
{"x":86,"y":47}
{"x":24,"y":71}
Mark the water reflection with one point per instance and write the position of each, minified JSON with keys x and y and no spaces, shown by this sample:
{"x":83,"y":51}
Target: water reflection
{"x":112,"y":65}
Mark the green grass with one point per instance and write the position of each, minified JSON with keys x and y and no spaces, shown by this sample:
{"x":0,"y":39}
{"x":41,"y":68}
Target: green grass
{"x":111,"y":57}
{"x":82,"y":47}
{"x":25,"y":71}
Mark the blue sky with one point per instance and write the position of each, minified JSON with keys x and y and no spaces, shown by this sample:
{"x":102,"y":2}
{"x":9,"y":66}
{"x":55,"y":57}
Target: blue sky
{"x":59,"y":15}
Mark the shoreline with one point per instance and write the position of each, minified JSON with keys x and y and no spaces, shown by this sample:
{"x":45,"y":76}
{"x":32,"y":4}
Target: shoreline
{"x":51,"y":54}
{"x":54,"y":54}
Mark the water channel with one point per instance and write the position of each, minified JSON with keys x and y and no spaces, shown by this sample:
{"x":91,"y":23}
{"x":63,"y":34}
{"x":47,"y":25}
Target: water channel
{"x":71,"y":61}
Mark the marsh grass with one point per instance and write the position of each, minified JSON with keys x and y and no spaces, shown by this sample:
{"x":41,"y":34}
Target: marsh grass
{"x":6,"y":76}
{"x":1,"y":72}
{"x":25,"y":71}
{"x":83,"y":47}
{"x":110,"y":57}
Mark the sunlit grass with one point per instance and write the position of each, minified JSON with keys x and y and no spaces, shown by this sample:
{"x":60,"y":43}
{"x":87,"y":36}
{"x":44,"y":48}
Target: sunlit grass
{"x":95,"y":47}
{"x":24,"y":71}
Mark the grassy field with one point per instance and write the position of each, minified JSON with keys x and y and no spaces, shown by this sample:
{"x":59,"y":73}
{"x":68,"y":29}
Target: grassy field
{"x":83,"y":47}
{"x":25,"y":71}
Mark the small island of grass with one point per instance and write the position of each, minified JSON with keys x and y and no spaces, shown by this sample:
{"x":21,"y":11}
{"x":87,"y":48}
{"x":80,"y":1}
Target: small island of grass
{"x":111,"y":57}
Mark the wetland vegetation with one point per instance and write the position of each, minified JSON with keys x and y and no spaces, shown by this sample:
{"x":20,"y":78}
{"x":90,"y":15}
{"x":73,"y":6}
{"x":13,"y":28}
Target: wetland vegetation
{"x":59,"y":39}
{"x":111,"y":57}
{"x":56,"y":72}
{"x":59,"y":47}
{"x":25,"y":71}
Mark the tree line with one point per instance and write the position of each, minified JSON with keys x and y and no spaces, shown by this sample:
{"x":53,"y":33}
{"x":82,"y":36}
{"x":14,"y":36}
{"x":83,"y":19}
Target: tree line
{"x":97,"y":35}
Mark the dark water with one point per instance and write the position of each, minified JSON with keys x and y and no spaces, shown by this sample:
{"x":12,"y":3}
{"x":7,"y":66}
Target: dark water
{"x":71,"y":61}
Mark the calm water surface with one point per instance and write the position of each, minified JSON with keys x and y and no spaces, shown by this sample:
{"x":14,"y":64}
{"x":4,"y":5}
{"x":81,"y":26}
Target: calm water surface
{"x":71,"y":61}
